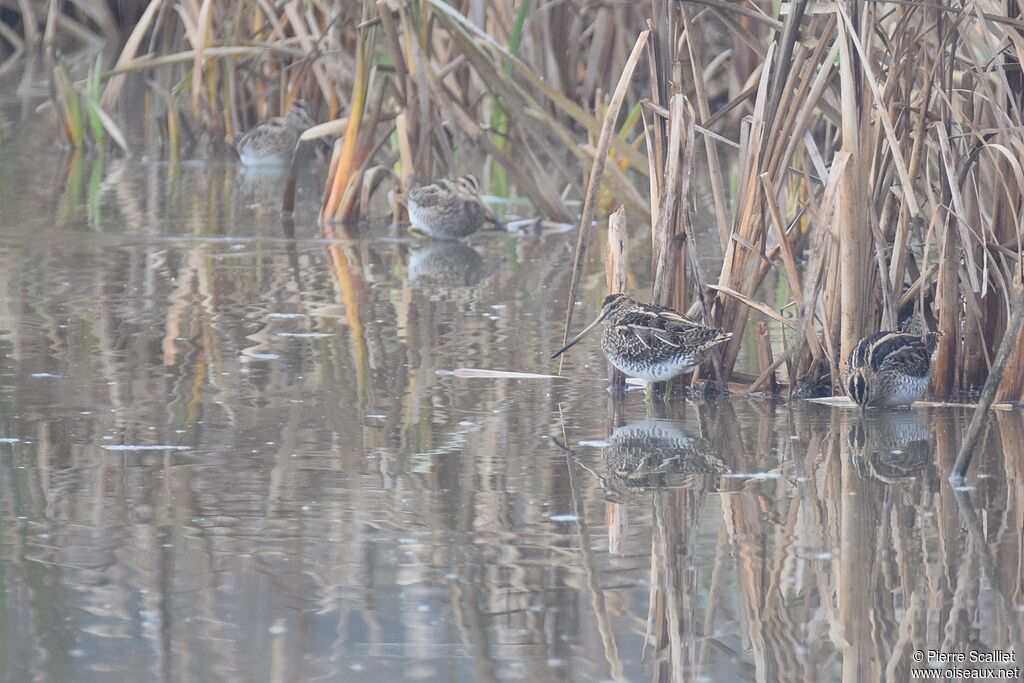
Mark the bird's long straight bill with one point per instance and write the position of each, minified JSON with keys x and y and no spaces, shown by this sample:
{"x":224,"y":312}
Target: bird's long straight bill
{"x":581,"y":335}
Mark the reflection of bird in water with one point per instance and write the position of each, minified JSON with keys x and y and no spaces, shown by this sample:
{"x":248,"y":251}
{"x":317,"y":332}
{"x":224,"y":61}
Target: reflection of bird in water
{"x":445,"y":264}
{"x":891,"y":447}
{"x":650,"y":342}
{"x":889,"y":369}
{"x":449,"y":209}
{"x":260,"y":186}
{"x":272,"y":142}
{"x":658,"y":453}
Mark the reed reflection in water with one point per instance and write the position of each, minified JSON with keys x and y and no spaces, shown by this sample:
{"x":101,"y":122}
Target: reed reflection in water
{"x":227,"y":453}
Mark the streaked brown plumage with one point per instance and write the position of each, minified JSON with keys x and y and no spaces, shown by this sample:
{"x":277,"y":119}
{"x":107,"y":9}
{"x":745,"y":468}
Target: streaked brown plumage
{"x":449,"y":209}
{"x":272,"y":142}
{"x":888,"y":369}
{"x":651,"y":342}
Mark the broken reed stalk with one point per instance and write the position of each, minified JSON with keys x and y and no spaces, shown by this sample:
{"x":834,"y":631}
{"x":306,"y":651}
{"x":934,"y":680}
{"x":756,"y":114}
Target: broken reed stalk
{"x":1010,"y":339}
{"x":596,"y":174}
{"x":615,"y":264}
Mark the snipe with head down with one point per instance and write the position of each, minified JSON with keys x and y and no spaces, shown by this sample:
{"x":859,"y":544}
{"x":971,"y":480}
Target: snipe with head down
{"x":889,"y":369}
{"x":272,"y":142}
{"x":651,"y":342}
{"x":449,"y":209}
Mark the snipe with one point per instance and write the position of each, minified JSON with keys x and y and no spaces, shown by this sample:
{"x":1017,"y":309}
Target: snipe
{"x":889,"y":369}
{"x":449,"y":209}
{"x":650,"y":342}
{"x":272,"y":142}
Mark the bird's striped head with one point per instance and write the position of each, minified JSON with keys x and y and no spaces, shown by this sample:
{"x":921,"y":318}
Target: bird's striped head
{"x":614,"y":302}
{"x":301,"y":114}
{"x":857,"y":387}
{"x":468,"y":183}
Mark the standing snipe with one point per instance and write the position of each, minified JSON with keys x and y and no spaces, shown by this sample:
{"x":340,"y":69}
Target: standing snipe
{"x":449,"y":209}
{"x":888,"y":369}
{"x":272,"y":142}
{"x":650,"y":342}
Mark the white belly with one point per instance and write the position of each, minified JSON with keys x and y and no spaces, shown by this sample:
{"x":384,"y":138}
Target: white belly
{"x":250,"y":159}
{"x":906,"y":393}
{"x":655,"y":372}
{"x":417,"y":220}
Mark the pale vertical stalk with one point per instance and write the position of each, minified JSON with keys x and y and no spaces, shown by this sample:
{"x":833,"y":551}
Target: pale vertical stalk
{"x":853,"y":233}
{"x":948,"y":298}
{"x":615,"y":264}
{"x":666,"y":214}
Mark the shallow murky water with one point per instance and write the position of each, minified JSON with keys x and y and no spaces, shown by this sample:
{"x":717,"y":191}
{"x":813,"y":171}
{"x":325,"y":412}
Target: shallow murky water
{"x":234,"y":450}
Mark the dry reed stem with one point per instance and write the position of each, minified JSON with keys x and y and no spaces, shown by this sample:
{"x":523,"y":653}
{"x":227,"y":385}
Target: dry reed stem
{"x":947,"y":297}
{"x":596,"y":174}
{"x":539,"y":84}
{"x":664,"y":232}
{"x":128,"y":52}
{"x":746,"y":246}
{"x":853,"y":231}
{"x":788,"y":259}
{"x":819,"y":252}
{"x":883,"y":117}
{"x":616,"y":269}
{"x":694,"y":47}
{"x":988,"y":393}
{"x":343,"y":175}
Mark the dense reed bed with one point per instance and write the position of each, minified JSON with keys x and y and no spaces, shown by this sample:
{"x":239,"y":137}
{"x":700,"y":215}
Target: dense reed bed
{"x":864,"y":155}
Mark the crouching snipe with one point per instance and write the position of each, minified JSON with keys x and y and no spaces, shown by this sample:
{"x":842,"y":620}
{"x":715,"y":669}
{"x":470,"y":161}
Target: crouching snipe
{"x":888,"y":369}
{"x":449,"y":209}
{"x":272,"y":142}
{"x":650,"y":342}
